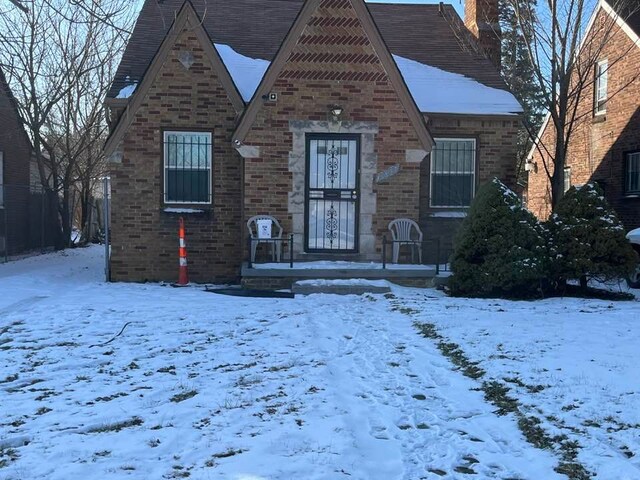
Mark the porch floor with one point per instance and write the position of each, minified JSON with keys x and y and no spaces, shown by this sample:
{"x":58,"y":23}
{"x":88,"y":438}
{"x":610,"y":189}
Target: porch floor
{"x":341,"y":270}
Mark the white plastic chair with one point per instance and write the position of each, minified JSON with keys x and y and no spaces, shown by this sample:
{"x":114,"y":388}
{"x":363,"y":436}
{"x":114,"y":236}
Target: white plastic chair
{"x":276,"y":233}
{"x":402,"y":232}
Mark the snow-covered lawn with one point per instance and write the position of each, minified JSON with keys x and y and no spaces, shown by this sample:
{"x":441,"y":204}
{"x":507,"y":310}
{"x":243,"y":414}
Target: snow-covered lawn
{"x":574,"y":364}
{"x":205,"y":386}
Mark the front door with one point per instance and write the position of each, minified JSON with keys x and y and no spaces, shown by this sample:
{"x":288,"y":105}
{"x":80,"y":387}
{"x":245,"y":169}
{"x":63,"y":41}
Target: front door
{"x":332,"y":191}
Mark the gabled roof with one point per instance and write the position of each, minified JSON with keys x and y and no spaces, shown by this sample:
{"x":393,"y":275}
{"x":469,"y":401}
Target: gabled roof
{"x":5,"y":91}
{"x":381,"y":50}
{"x":187,"y":17}
{"x":430,"y":34}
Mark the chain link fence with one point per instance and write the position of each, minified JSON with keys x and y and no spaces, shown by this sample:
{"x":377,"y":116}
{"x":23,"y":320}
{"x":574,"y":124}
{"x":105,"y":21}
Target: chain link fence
{"x":26,"y":220}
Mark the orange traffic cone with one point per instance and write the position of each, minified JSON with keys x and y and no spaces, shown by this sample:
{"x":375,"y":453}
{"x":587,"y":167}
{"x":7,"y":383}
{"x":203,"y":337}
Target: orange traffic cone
{"x":183,"y":273}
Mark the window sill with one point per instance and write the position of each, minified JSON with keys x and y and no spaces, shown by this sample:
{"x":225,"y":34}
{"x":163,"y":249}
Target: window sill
{"x":184,"y":210}
{"x":599,"y":118}
{"x":631,"y":196}
{"x":448,"y":213}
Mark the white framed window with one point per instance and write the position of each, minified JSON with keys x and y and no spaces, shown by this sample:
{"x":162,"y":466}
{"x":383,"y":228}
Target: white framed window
{"x":567,"y":178}
{"x":187,"y":167}
{"x":453,"y":172}
{"x":632,"y":174}
{"x":600,"y":87}
{"x":1,"y":179}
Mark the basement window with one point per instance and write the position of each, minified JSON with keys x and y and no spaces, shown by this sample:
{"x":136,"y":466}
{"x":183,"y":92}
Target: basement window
{"x":187,"y":167}
{"x":600,"y":87}
{"x":632,"y":174}
{"x":453,"y":172}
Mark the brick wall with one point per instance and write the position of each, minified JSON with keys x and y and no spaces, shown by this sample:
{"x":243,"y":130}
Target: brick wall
{"x":598,"y":146}
{"x":144,"y":237}
{"x":17,"y":153}
{"x":496,"y":148}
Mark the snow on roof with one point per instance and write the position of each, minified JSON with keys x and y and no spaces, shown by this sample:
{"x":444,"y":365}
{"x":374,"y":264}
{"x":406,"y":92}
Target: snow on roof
{"x":438,"y":91}
{"x":127,"y":91}
{"x":434,"y":90}
{"x":246,"y":72}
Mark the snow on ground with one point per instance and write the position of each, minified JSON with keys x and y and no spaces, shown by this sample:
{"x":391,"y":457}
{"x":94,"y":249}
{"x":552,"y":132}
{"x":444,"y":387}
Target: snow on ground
{"x":206,"y":386}
{"x":572,"y":363}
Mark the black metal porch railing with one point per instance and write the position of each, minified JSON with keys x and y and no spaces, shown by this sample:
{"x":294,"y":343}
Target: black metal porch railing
{"x":274,"y":241}
{"x":419,"y":243}
{"x":431,"y":249}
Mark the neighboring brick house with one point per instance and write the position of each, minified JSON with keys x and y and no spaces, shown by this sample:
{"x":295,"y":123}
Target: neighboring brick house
{"x":605,"y":146}
{"x":327,"y":114}
{"x":15,"y":177}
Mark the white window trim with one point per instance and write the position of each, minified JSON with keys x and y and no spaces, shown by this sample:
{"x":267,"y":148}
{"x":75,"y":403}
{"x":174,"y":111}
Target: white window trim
{"x":473,"y":171}
{"x":627,"y":175}
{"x":165,"y":166}
{"x":567,"y":175}
{"x":597,"y":99}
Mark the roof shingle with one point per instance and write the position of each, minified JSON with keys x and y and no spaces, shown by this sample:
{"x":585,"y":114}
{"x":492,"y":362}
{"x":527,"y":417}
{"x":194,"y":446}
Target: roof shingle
{"x":428,"y":34}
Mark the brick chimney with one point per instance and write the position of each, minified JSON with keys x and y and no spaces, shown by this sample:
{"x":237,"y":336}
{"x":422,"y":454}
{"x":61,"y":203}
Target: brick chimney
{"x":482,"y":19}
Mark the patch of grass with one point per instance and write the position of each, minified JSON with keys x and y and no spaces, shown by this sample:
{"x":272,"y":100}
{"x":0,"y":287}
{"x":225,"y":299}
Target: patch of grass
{"x":171,"y":369}
{"x":497,"y":393}
{"x":10,"y":378}
{"x":7,"y":455}
{"x":110,"y":397}
{"x":465,"y":470}
{"x":419,"y":396}
{"x":182,"y":396}
{"x":43,"y":410}
{"x":102,"y":453}
{"x":228,"y":453}
{"x":116,"y":427}
{"x":438,"y":472}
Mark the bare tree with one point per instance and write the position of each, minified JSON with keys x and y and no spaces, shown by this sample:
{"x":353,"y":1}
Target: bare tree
{"x":564,"y":59}
{"x":60,"y":60}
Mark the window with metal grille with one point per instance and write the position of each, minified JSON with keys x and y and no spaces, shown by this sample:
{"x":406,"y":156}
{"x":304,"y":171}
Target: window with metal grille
{"x":632,"y":176}
{"x":187,"y":167}
{"x":453,"y":172}
{"x":600,"y":85}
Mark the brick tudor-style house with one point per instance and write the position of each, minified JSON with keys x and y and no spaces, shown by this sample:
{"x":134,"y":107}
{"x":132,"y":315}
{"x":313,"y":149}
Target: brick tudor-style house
{"x":605,"y":146}
{"x":226,"y":109}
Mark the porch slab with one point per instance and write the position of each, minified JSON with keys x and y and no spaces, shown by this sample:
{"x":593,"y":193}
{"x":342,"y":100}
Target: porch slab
{"x":335,"y":270}
{"x":280,"y":276}
{"x":352,"y":286}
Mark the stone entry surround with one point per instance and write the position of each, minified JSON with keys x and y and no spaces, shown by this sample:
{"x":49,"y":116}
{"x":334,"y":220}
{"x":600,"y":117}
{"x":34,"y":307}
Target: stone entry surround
{"x":368,"y":170}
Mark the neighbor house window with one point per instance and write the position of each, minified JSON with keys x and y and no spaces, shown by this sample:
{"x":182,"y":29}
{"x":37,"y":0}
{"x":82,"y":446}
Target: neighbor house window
{"x":187,"y":167}
{"x":600,"y":85}
{"x":632,"y":174}
{"x":453,"y":172}
{"x":1,"y":179}
{"x":567,"y":178}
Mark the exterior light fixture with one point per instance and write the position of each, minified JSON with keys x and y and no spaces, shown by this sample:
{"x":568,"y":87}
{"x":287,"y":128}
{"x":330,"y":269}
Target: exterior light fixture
{"x":336,"y":111}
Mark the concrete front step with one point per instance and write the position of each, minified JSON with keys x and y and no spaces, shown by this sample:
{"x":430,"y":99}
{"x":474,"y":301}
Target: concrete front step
{"x":353,"y":286}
